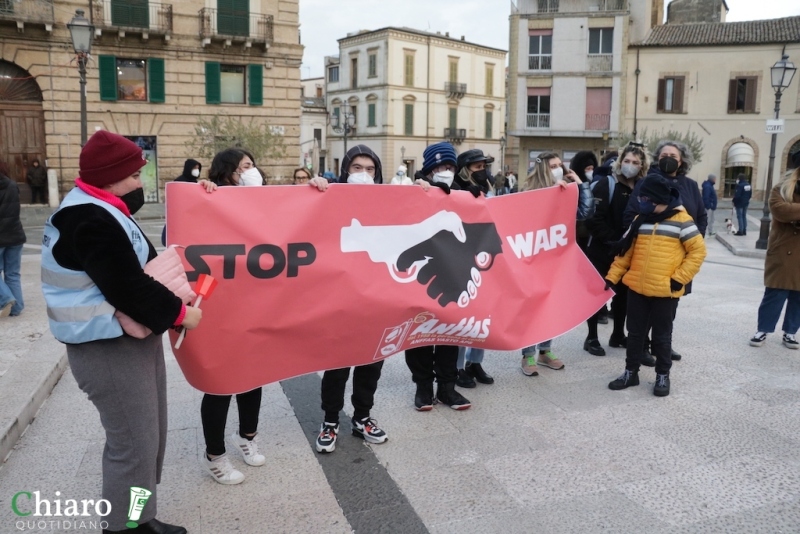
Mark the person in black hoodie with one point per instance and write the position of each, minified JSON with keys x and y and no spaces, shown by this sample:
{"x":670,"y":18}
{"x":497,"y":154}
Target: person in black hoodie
{"x":12,"y":237}
{"x":672,"y":160}
{"x":191,"y":171}
{"x":611,"y":194}
{"x":37,"y":179}
{"x":359,"y":166}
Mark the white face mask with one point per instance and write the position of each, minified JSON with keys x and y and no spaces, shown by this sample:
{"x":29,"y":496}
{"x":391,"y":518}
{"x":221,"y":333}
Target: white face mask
{"x":589,"y":175}
{"x":360,"y":178}
{"x":629,"y":170}
{"x":195,"y":172}
{"x":445,"y":177}
{"x":558,"y":173}
{"x":250,"y":177}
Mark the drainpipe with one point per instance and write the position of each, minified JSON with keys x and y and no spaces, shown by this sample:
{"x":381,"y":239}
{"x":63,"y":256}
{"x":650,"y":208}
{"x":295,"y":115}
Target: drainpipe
{"x":636,"y":96}
{"x":428,"y":95}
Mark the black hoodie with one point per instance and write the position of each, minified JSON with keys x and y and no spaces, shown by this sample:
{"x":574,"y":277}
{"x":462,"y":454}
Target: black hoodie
{"x":360,"y":150}
{"x":187,"y":171}
{"x":11,"y":232}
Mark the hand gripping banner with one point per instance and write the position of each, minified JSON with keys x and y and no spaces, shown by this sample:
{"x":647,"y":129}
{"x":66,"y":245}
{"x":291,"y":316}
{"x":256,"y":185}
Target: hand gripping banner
{"x":310,"y":280}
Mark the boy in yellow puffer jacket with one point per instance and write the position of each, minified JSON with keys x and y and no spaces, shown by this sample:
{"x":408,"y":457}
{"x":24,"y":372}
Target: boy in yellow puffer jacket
{"x":660,"y":253}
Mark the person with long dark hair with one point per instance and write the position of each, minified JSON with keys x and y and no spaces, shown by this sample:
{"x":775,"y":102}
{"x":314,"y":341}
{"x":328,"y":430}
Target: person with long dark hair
{"x":12,"y":237}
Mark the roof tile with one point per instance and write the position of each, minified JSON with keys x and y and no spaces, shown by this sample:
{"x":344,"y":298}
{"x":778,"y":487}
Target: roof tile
{"x":785,"y":30}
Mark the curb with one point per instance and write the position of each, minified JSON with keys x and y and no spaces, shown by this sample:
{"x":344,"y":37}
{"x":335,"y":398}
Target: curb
{"x":25,"y":387}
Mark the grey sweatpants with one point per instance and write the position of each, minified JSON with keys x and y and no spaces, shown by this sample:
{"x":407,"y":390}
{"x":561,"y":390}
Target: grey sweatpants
{"x":125,"y":378}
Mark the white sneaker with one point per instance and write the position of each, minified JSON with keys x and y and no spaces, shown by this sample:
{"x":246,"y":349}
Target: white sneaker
{"x":248,"y":448}
{"x":221,"y":469}
{"x":5,"y":311}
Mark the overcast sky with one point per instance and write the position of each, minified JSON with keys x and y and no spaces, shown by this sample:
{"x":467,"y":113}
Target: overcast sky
{"x":322,"y":22}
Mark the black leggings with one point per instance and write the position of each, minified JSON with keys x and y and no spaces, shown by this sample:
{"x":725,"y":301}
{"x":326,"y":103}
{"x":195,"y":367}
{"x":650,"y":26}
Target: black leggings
{"x":365,"y":382}
{"x":214,"y":413}
{"x":619,"y":309}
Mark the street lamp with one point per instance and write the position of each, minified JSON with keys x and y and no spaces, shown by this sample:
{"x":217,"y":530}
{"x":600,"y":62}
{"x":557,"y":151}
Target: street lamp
{"x":343,"y":125}
{"x":781,"y":73}
{"x":81,"y":31}
{"x":402,"y":155}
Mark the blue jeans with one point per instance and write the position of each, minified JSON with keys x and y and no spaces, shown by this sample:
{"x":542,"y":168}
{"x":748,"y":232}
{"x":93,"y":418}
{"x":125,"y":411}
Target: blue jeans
{"x":741,"y":217}
{"x":468,"y":354}
{"x":544,"y":345}
{"x":10,"y":285}
{"x":770,"y":310}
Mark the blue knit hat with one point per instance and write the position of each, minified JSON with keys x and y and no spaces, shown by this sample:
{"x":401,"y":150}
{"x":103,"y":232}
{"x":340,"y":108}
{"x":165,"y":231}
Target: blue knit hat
{"x":437,"y":154}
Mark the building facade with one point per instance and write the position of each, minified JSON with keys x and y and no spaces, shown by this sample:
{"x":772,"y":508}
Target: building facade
{"x":398,"y":90}
{"x":713,"y":79}
{"x":313,"y":125}
{"x":568,"y":72}
{"x":155,"y":68}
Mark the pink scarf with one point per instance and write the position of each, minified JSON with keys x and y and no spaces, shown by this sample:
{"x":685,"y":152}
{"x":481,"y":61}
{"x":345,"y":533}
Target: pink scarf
{"x":103,"y":195}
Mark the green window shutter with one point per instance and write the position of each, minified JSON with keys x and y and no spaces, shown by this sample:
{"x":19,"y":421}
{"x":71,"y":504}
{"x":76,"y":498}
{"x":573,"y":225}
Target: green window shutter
{"x":155,"y":80}
{"x":213,"y":83}
{"x":489,"y":118}
{"x":409,"y":122}
{"x":255,"y":84}
{"x":108,"y":77}
{"x":371,"y":115}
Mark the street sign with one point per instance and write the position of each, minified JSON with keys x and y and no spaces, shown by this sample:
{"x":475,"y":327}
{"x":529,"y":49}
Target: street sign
{"x":774,"y":126}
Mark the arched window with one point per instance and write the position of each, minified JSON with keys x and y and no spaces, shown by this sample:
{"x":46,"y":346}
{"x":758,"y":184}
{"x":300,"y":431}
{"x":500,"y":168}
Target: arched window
{"x":17,"y":84}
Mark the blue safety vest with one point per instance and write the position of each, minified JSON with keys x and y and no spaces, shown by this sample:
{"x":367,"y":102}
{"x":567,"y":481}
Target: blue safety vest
{"x":77,"y":310}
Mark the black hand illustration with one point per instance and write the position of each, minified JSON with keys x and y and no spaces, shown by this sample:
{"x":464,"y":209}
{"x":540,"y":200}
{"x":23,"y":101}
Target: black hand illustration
{"x":453,"y":268}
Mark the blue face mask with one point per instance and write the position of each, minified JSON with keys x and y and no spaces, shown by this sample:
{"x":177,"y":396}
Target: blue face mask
{"x":646,"y":207}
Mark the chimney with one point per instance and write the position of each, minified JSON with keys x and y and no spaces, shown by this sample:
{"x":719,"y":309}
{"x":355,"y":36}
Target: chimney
{"x":447,"y":34}
{"x":462,"y":38}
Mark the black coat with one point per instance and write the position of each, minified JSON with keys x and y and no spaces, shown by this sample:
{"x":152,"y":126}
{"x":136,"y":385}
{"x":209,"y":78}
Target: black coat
{"x":607,"y":225}
{"x":188,"y":165}
{"x":37,"y":176}
{"x":11,"y":232}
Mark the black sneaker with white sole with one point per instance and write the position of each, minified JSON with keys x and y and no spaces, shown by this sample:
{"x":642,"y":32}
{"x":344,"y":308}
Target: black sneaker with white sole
{"x":368,"y":430}
{"x":758,"y":339}
{"x":790,"y":342}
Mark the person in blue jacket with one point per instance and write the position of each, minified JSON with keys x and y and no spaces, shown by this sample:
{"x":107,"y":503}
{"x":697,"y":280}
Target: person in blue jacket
{"x":710,"y":200}
{"x":741,"y":200}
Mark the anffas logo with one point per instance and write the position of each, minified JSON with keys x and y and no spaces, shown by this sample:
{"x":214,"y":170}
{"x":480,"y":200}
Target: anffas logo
{"x":426,"y":329}
{"x":442,"y":250}
{"x":57,"y":514}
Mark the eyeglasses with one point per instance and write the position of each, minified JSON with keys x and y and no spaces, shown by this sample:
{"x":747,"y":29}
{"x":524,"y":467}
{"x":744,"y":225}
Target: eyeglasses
{"x":301,"y":178}
{"x":644,"y":199}
{"x":355,"y":167}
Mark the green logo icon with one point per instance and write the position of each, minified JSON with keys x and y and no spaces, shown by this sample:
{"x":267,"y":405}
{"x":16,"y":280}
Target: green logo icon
{"x":139,"y":497}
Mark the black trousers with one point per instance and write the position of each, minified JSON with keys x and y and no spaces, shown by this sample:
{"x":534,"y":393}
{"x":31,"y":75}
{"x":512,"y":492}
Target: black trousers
{"x":619,"y":309}
{"x":365,"y":382}
{"x":214,"y":413}
{"x":642,"y":313}
{"x":433,"y":361}
{"x":37,"y":192}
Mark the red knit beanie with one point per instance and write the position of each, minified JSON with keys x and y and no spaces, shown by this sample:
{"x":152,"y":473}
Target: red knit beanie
{"x":108,"y":158}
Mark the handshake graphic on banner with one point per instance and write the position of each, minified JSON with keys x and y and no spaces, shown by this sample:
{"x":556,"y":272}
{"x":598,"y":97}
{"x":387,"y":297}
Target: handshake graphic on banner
{"x":442,"y":250}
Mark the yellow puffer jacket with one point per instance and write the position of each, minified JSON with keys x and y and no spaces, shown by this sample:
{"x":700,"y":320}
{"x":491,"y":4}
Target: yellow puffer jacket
{"x":671,"y":249}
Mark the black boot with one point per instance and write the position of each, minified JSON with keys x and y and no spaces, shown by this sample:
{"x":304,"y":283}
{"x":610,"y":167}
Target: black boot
{"x":647,"y":359}
{"x":617,"y":341}
{"x":593,"y":346}
{"x":446,"y":394}
{"x":154,"y":526}
{"x":675,"y":356}
{"x":465,"y":379}
{"x":475,"y":370}
{"x":423,"y":400}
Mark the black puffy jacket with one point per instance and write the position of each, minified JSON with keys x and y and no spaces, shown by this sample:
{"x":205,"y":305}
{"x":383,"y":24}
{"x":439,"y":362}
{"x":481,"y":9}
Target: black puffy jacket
{"x":11,"y":232}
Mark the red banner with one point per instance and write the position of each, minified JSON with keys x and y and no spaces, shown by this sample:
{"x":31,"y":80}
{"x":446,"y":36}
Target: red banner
{"x":312,"y":280}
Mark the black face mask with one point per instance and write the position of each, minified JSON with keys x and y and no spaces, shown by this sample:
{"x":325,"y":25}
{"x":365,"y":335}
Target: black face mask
{"x":668,"y":165}
{"x":481,"y":177}
{"x":133,"y":200}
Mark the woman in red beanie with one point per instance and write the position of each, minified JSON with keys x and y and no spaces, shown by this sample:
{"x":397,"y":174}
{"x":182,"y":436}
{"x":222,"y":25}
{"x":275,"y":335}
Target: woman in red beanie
{"x":93,"y":256}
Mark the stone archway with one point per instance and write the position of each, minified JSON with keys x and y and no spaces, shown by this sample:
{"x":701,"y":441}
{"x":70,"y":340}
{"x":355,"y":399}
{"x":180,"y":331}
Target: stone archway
{"x":724,"y":160}
{"x":793,"y":143}
{"x":22,"y":136}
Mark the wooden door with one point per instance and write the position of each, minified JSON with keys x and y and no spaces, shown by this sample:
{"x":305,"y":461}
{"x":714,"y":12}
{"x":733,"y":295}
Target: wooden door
{"x":21,"y":141}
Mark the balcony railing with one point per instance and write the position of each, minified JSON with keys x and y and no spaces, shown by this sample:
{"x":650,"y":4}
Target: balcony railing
{"x":235,"y":26}
{"x":538,"y":120}
{"x":455,"y":90}
{"x":598,"y":121}
{"x":28,"y":11}
{"x":138,"y":16}
{"x":537,"y":62}
{"x":577,"y":6}
{"x":455,"y":135}
{"x":600,"y":62}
